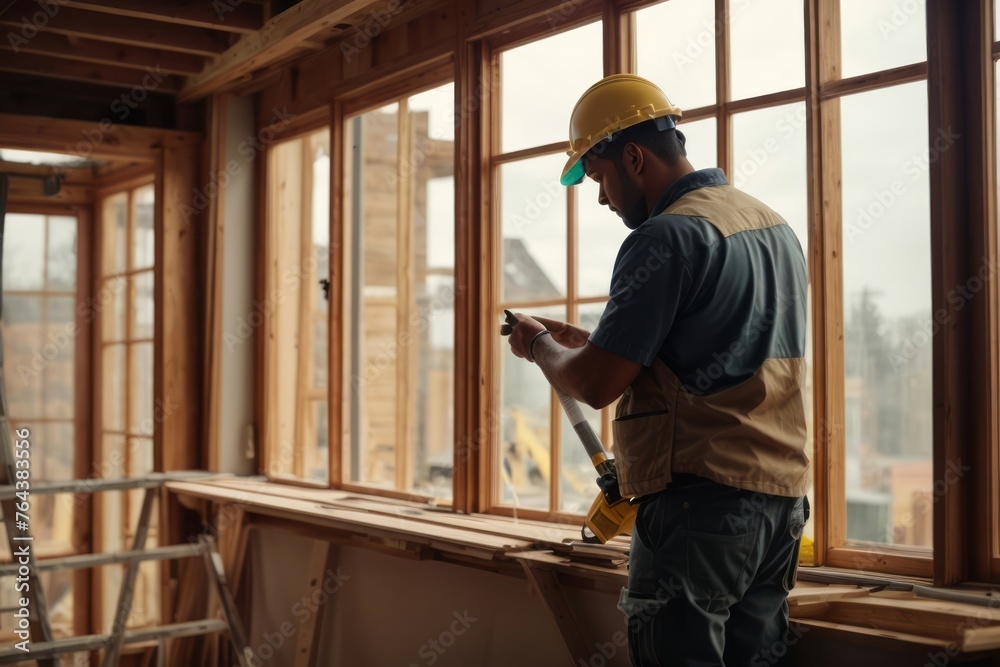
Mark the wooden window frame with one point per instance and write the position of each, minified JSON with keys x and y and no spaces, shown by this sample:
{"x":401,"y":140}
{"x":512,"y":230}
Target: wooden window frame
{"x":98,"y":279}
{"x":821,"y":93}
{"x":398,"y":90}
{"x":301,"y":131}
{"x":957,"y":556}
{"x":83,"y":443}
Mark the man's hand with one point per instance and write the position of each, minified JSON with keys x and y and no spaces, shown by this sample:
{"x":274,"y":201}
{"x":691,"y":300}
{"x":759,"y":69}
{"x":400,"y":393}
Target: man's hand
{"x":522,"y":333}
{"x":565,"y":334}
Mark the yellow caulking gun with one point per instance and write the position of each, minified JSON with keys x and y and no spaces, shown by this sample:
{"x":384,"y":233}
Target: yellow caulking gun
{"x":610,"y":514}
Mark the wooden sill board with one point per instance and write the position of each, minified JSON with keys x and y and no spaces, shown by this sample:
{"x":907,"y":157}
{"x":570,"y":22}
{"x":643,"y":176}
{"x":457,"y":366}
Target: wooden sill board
{"x":888,"y":616}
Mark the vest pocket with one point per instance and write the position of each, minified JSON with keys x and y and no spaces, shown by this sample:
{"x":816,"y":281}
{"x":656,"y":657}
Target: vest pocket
{"x":643,"y":446}
{"x":639,"y":415}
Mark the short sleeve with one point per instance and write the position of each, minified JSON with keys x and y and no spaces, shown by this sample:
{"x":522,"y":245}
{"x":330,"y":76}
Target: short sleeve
{"x":649,"y":283}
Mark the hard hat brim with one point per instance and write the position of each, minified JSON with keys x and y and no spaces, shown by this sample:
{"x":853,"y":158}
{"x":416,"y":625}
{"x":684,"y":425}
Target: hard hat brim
{"x":573,"y":172}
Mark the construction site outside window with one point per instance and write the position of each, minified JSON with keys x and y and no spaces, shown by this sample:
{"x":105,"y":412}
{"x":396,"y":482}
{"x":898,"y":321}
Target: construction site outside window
{"x":399,"y":296}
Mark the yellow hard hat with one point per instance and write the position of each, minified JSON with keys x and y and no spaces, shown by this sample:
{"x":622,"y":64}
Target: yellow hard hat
{"x":609,"y":106}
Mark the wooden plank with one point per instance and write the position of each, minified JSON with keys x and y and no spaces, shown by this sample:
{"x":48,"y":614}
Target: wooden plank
{"x":336,"y":322}
{"x":239,"y":17}
{"x":307,"y":643}
{"x":177,"y":360}
{"x":311,"y":513}
{"x":215,"y":276}
{"x":28,"y":190}
{"x":874,"y":81}
{"x":882,"y":558}
{"x":546,"y":584}
{"x":119,"y":29}
{"x":53,"y":67}
{"x":280,"y":35}
{"x":87,"y":139}
{"x":108,"y":53}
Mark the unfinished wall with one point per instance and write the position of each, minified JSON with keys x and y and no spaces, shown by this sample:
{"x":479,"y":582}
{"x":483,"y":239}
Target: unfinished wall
{"x":387,"y":610}
{"x":237,"y":353}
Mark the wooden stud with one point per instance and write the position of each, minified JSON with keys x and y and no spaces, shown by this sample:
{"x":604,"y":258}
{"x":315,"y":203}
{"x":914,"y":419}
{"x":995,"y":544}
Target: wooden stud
{"x":546,"y":583}
{"x":73,"y":70}
{"x":336,"y":329}
{"x":215,"y":272}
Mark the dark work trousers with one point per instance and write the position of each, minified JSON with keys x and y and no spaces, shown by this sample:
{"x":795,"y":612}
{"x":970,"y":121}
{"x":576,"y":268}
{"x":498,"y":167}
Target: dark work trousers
{"x":709,"y":571}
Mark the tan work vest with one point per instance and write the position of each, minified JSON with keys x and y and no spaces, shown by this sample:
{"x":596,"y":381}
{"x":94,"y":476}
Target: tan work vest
{"x":751,"y":436}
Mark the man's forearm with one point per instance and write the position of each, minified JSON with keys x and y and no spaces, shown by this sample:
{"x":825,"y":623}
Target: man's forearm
{"x":563,"y":368}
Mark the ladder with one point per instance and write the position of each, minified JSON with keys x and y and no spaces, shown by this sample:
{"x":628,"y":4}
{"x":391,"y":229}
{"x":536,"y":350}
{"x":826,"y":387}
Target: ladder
{"x":45,"y":650}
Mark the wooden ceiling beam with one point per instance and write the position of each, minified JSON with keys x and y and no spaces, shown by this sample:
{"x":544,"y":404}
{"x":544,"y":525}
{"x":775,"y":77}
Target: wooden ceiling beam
{"x":285,"y":32}
{"x":29,"y":18}
{"x":230,"y":16}
{"x":107,"y":75}
{"x":108,"y":53}
{"x":86,"y":139}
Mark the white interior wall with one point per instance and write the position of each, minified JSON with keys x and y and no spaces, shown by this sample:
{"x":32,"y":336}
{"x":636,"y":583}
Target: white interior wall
{"x":236,"y":348}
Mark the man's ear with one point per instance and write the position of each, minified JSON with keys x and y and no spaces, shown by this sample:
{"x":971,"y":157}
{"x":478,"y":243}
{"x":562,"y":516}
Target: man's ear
{"x":633,"y":159}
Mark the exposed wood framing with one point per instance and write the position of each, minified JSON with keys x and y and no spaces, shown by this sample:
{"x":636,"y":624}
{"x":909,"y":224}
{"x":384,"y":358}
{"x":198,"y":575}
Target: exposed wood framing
{"x":87,"y":140}
{"x":118,"y":29}
{"x":324,"y":558}
{"x":75,"y":70}
{"x":239,"y":17}
{"x":108,"y":53}
{"x":546,"y":584}
{"x":279,"y":36}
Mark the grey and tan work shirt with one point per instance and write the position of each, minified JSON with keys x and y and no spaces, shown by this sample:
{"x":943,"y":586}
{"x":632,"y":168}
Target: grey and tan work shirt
{"x":709,"y":295}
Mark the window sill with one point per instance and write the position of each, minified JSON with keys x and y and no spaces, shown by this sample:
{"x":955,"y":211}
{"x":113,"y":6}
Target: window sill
{"x":509,"y":546}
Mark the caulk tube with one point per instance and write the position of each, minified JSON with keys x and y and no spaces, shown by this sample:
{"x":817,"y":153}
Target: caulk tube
{"x":595,"y":450}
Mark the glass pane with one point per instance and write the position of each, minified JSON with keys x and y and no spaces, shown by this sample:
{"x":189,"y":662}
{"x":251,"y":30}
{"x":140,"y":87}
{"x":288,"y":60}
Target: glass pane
{"x":433,"y":308}
{"x":881,"y":34}
{"x":600,"y":235}
{"x":113,"y":381}
{"x":675,"y":49}
{"x":58,"y":587}
{"x":372,"y":215}
{"x":437,"y":124}
{"x":142,"y":234}
{"x":524,"y":463}
{"x":761,"y":65}
{"x":317,"y":464}
{"x":57,"y":452}
{"x":110,"y":304}
{"x":24,"y":252}
{"x":769,"y":161}
{"x":61,"y":258}
{"x":142,"y":305}
{"x":140,"y":397}
{"x":577,"y":486}
{"x":24,"y":364}
{"x":701,"y":141}
{"x":887,"y":316}
{"x":320,"y":146}
{"x":533,"y":223}
{"x":114,"y":220}
{"x":541,"y":81}
{"x":58,"y":350}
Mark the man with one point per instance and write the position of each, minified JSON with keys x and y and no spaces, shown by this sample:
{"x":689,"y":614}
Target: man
{"x":703,"y":339}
